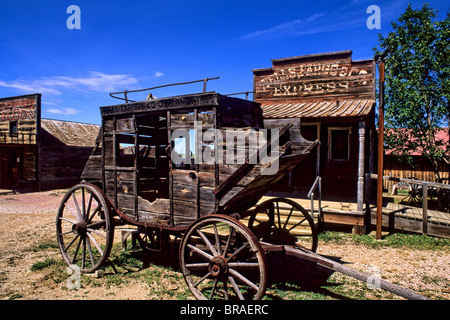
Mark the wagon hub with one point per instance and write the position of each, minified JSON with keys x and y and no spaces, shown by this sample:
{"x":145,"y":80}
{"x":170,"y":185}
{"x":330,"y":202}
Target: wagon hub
{"x":80,"y":228}
{"x":218,"y":266}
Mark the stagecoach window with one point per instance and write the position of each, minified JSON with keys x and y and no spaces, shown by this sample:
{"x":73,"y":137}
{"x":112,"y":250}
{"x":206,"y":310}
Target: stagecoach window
{"x":183,"y":149}
{"x":339,"y":144}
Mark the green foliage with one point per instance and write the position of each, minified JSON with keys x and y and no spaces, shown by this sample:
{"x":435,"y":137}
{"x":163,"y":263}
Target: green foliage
{"x":417,"y":80}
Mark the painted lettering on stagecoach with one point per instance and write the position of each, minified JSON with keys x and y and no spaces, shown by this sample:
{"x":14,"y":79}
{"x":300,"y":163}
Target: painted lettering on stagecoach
{"x":162,"y":104}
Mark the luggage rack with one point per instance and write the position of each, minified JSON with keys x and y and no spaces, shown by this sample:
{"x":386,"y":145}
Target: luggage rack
{"x":150,"y":96}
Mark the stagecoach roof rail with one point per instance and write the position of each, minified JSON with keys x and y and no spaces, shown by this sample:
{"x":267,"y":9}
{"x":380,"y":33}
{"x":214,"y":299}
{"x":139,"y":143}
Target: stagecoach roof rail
{"x":125,"y":93}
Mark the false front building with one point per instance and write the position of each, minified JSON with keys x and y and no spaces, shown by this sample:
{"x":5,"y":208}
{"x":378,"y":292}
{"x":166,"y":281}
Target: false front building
{"x":335,"y":99}
{"x":39,"y":154}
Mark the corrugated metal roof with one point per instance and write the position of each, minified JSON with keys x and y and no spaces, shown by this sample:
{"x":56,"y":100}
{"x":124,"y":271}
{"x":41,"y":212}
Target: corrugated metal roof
{"x":71,"y":133}
{"x":319,"y":109}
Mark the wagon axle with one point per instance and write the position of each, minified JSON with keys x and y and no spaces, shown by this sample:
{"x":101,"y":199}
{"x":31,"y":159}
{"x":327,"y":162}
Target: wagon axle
{"x":80,"y":229}
{"x":218,"y":267}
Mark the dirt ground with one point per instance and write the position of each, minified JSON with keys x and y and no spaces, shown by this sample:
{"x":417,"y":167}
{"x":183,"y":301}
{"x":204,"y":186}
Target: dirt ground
{"x":27,"y":222}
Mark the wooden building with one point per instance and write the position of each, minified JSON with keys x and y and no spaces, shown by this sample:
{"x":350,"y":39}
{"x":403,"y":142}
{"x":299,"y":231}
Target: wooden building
{"x":335,"y":99}
{"x":39,"y":154}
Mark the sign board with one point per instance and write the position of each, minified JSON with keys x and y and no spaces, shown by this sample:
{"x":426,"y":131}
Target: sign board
{"x":20,"y":119}
{"x":321,"y":76}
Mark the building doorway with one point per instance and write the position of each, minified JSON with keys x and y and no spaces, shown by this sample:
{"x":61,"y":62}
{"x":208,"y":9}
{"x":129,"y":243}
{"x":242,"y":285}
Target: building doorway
{"x":10,"y":170}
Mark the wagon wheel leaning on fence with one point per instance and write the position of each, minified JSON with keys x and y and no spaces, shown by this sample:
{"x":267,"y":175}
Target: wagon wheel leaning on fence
{"x":221,"y":258}
{"x":443,"y":196}
{"x":84,"y":228}
{"x":284,"y":221}
{"x":415,"y":193}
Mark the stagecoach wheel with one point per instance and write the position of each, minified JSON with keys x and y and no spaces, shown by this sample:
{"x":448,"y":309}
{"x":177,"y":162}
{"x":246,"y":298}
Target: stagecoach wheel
{"x":222,"y":259}
{"x":84,"y":228}
{"x":284,"y":221}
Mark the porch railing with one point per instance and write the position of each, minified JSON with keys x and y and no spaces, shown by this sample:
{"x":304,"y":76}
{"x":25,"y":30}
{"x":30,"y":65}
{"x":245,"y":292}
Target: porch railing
{"x":316,"y":187}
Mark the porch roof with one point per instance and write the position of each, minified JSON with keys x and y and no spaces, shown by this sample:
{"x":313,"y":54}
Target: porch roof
{"x":319,"y":109}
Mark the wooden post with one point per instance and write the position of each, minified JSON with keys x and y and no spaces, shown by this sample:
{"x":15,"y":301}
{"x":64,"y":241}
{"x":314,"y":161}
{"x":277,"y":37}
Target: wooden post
{"x":380,"y":153}
{"x":425,"y":209}
{"x":360,"y":186}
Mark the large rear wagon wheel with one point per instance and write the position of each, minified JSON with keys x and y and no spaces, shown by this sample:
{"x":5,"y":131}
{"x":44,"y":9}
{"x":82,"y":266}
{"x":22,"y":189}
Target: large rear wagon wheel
{"x":222,"y":259}
{"x":84,"y":228}
{"x":284,"y":221}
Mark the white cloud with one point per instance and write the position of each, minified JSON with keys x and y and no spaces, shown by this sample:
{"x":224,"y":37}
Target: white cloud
{"x":158,"y":74}
{"x":350,"y":15}
{"x":95,"y":81}
{"x":63,"y":111}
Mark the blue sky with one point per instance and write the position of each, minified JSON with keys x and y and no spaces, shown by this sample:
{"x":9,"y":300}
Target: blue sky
{"x":139,"y":44}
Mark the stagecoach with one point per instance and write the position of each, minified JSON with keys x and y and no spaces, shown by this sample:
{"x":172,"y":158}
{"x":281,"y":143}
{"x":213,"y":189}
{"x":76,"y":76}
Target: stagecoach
{"x":192,"y":169}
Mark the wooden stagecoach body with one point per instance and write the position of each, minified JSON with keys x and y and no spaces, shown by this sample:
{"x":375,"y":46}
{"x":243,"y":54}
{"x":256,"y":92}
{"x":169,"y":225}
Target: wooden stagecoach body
{"x":147,"y":188}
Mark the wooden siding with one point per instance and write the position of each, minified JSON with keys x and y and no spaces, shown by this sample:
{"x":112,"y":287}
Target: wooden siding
{"x":420,"y":169}
{"x":24,"y":112}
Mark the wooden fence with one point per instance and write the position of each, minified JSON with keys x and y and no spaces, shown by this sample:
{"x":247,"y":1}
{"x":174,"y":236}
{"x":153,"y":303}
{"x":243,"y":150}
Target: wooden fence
{"x":420,"y":169}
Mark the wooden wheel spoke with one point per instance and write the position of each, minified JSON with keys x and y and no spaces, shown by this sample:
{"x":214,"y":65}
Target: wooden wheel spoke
{"x":288,"y":217}
{"x":70,"y":244}
{"x":236,"y":288}
{"x":278,"y":214}
{"x":76,"y":250}
{"x":77,"y":207}
{"x":200,"y":252}
{"x":88,"y":209}
{"x":201,"y":279}
{"x":83,"y":259}
{"x":91,"y":255}
{"x":93,"y":214}
{"x":216,"y":236}
{"x":95,"y":243}
{"x":72,"y":212}
{"x":243,"y":279}
{"x":216,"y":280}
{"x":243,"y":265}
{"x":207,"y":242}
{"x":245,"y":245}
{"x":68,"y":220}
{"x":96,"y":232}
{"x":227,"y":245}
{"x":297,"y":224}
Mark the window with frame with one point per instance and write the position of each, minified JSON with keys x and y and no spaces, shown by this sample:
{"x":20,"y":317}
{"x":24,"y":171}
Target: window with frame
{"x":13,"y":129}
{"x":339,"y":143}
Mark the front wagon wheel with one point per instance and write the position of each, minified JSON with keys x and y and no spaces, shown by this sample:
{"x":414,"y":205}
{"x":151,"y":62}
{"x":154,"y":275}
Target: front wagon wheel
{"x":84,"y":228}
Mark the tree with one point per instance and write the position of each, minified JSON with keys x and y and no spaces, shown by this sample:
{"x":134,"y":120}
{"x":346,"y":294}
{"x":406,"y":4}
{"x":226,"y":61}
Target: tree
{"x":417,"y":81}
